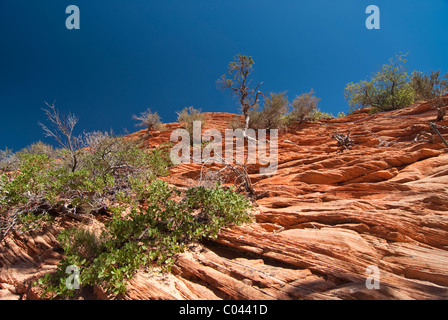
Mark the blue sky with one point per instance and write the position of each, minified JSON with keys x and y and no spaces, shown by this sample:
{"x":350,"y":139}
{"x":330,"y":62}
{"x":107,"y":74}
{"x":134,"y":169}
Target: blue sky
{"x":133,"y":54}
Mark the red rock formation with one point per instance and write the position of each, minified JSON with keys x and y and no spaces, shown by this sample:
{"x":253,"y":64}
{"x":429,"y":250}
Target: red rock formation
{"x":324,"y":217}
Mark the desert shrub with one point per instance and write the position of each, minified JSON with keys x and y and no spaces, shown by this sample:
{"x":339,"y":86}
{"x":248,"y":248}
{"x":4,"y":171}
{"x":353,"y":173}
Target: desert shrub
{"x":187,"y":117}
{"x":160,"y":160}
{"x":108,"y":169}
{"x":318,"y":115}
{"x":40,"y":147}
{"x":236,"y":122}
{"x":26,"y":184}
{"x":9,"y":161}
{"x":388,"y":89}
{"x":303,"y":106}
{"x":148,"y":119}
{"x":81,"y":241}
{"x":142,"y":238}
{"x":32,"y":221}
{"x":106,"y":154}
{"x":42,"y":181}
{"x":271,"y":115}
{"x":429,"y":86}
{"x":218,"y":206}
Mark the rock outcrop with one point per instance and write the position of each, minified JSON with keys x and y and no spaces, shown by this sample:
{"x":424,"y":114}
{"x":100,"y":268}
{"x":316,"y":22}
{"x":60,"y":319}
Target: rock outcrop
{"x":323,"y":223}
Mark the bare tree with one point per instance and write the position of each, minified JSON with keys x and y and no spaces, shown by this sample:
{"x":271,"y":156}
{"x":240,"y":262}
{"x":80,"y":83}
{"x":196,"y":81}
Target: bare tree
{"x":241,"y":85}
{"x":61,"y":129}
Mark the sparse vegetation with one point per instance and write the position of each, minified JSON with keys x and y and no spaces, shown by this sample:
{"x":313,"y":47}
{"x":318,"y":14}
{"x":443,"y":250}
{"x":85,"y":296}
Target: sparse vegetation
{"x":271,"y":116}
{"x":61,"y":129}
{"x":431,"y":87}
{"x":304,"y":106}
{"x":8,"y":160}
{"x":392,"y":88}
{"x":187,"y":117}
{"x":148,"y":119}
{"x":318,"y":115}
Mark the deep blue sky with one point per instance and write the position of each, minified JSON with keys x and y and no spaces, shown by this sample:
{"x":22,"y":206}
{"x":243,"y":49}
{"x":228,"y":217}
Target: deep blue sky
{"x":133,"y":54}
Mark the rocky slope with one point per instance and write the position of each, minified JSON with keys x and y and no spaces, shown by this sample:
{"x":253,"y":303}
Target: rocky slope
{"x":321,"y":222}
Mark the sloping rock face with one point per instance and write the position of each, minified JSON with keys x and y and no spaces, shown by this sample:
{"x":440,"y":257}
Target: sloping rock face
{"x":370,"y":222}
{"x":328,"y":218}
{"x":24,"y":258}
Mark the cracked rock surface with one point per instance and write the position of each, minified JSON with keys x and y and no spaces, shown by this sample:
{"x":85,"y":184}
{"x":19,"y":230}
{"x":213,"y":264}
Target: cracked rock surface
{"x":323,"y":219}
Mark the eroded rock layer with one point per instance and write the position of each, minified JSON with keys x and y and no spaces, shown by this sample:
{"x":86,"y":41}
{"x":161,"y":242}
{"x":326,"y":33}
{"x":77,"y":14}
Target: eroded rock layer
{"x":324,"y":222}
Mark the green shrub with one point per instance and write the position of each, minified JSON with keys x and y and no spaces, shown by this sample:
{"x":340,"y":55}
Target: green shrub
{"x":32,"y":221}
{"x":146,"y":237}
{"x":388,"y":89}
{"x":160,"y":160}
{"x":106,"y":154}
{"x":218,"y":207}
{"x":26,"y":184}
{"x":317,"y":115}
{"x":108,"y":169}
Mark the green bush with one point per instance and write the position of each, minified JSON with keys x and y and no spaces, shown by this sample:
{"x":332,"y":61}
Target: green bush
{"x":388,"y":89}
{"x":160,"y":160}
{"x":218,"y":207}
{"x":109,"y":169}
{"x":317,"y":115}
{"x":28,"y":183}
{"x":31,"y":221}
{"x":145,"y":238}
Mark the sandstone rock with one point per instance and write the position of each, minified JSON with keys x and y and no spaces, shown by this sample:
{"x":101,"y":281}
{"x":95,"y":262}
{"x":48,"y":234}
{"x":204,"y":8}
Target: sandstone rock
{"x":323,"y":219}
